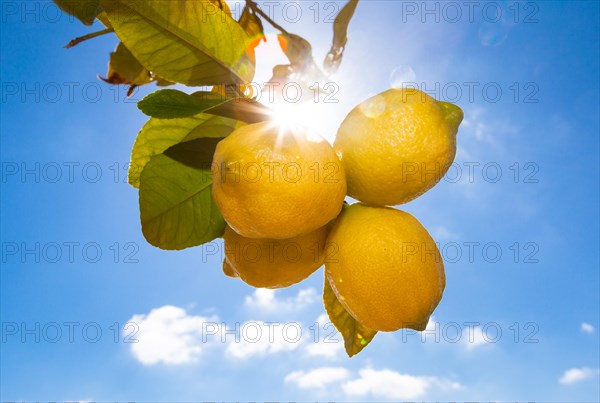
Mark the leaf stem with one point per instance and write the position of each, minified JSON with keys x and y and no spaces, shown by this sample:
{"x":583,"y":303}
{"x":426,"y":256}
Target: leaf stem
{"x":84,"y":38}
{"x":260,"y":12}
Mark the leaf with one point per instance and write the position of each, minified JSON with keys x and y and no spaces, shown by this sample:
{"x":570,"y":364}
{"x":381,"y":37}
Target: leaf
{"x":161,"y":82}
{"x":252,"y":25}
{"x":124,"y":68}
{"x":195,"y":153}
{"x":176,"y":206}
{"x":341,"y":23}
{"x":356,"y":336}
{"x":303,"y":67}
{"x":297,"y":49}
{"x":158,"y":135}
{"x":103,"y":18}
{"x":222,"y":4}
{"x":169,"y":104}
{"x":340,"y":38}
{"x":229,"y":90}
{"x":185,"y":41}
{"x":84,"y":10}
{"x":281,"y":73}
{"x":244,"y":109}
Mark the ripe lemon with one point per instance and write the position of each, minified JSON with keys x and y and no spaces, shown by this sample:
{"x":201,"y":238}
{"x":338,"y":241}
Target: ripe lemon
{"x":397,"y":145}
{"x":270,"y":182}
{"x":387,"y":270}
{"x":274,"y":263}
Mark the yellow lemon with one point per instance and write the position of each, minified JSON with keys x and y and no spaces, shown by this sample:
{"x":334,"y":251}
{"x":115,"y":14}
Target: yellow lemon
{"x":274,"y":263}
{"x":397,"y":145}
{"x":387,"y":270}
{"x":270,"y":182}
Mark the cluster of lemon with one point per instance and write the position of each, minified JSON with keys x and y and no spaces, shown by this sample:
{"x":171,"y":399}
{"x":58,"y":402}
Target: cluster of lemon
{"x":282,"y":190}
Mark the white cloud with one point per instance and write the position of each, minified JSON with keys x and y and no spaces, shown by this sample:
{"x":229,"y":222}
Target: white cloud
{"x":432,"y":324}
{"x":330,"y":350}
{"x":474,"y":337}
{"x":469,"y":337}
{"x":575,"y":375}
{"x":327,"y":343}
{"x":263,"y":299}
{"x":385,"y":383}
{"x":169,"y":335}
{"x":258,"y":338}
{"x":323,"y":320}
{"x":317,"y":378}
{"x":483,"y":128}
{"x":587,"y":328}
{"x":390,"y":384}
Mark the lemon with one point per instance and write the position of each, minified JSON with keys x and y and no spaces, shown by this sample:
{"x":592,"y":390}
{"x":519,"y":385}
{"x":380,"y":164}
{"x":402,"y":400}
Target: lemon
{"x":273,"y":263}
{"x":270,"y":182}
{"x":387,"y":270}
{"x":397,"y":145}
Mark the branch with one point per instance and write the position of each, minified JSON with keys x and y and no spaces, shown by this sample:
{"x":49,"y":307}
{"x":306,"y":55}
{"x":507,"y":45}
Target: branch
{"x":260,"y":12}
{"x":84,"y":38}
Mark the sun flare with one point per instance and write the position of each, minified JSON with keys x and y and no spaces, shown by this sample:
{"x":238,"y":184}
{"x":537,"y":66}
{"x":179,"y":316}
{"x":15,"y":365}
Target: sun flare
{"x":308,"y":117}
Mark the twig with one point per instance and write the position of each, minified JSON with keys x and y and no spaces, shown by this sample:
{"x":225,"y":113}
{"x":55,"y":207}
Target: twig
{"x":84,"y":38}
{"x":260,"y":12}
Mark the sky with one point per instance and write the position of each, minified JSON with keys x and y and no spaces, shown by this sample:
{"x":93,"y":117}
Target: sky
{"x":91,"y":312}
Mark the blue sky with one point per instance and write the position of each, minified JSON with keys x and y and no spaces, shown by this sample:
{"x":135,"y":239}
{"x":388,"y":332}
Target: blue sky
{"x":523,"y":325}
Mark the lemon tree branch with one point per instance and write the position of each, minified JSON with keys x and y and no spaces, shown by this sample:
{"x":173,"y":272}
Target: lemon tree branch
{"x":84,"y":38}
{"x":258,"y":11}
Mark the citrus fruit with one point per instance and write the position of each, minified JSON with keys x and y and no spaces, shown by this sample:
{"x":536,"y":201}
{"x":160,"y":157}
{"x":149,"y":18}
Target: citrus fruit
{"x":387,"y":270}
{"x":397,"y":145}
{"x":270,"y":182}
{"x":273,"y":263}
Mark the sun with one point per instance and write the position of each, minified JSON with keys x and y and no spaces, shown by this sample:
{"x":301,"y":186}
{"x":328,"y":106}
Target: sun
{"x":309,"y":117}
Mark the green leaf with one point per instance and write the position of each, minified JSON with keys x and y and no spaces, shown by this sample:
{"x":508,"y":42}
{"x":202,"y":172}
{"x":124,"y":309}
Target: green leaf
{"x":244,"y":109}
{"x":252,"y":25}
{"x":356,"y":336}
{"x":84,"y":10}
{"x":158,"y":135}
{"x":222,"y":4}
{"x":169,"y":104}
{"x":340,"y":36}
{"x":185,"y":41}
{"x":103,"y":18}
{"x":124,"y":68}
{"x":176,"y":206}
{"x":195,"y":153}
{"x":161,"y":82}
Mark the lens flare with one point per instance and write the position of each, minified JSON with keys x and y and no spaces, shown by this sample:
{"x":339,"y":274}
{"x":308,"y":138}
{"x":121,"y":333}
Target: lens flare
{"x":299,"y":119}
